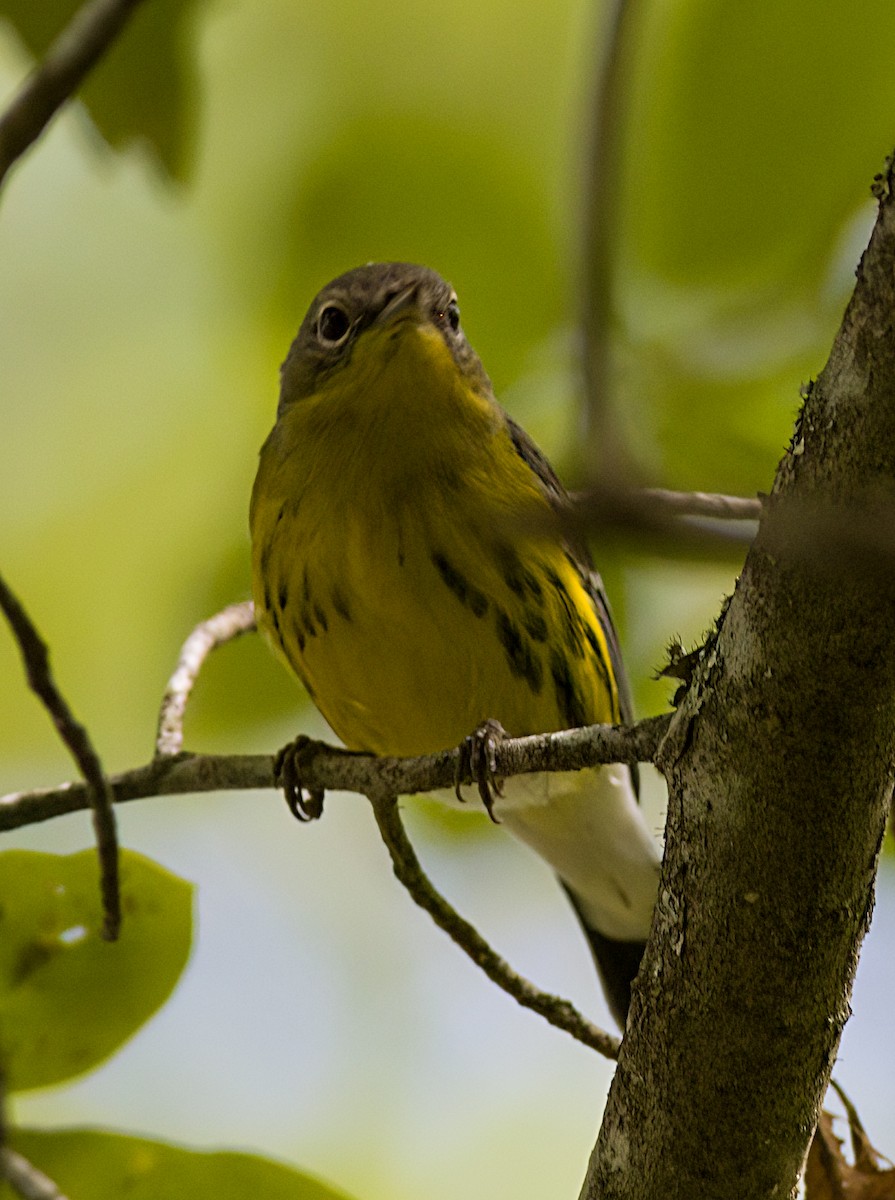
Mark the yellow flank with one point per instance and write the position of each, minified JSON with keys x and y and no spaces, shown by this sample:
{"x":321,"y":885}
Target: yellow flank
{"x":397,"y":567}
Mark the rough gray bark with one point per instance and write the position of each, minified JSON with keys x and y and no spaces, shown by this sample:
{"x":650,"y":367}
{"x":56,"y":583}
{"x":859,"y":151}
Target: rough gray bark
{"x":779,"y":764}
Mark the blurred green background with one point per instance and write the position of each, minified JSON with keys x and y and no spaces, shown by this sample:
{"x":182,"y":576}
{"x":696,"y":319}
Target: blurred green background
{"x":147,"y":295}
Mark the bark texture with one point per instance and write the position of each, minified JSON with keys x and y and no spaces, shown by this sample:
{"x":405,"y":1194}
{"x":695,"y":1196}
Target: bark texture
{"x":779,"y":764}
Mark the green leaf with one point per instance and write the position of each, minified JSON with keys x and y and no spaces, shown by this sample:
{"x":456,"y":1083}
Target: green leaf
{"x":68,"y":999}
{"x":145,"y":86}
{"x":94,"y":1165}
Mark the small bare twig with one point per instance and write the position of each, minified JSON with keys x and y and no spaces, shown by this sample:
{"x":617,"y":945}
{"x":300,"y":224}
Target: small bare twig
{"x":25,"y":1179}
{"x":67,"y":62}
{"x":99,"y":795}
{"x":555,"y":1010}
{"x":230,"y":623}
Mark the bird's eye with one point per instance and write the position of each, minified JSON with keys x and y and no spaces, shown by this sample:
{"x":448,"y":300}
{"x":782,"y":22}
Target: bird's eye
{"x":452,"y":313}
{"x":333,"y":324}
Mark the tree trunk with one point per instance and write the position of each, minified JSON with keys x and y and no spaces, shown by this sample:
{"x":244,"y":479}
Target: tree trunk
{"x":779,"y":766}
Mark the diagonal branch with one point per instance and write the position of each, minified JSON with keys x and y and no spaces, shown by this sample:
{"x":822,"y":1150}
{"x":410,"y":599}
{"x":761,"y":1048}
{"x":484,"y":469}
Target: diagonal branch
{"x":25,"y":1179}
{"x":98,"y":793}
{"x":558,"y":1012}
{"x":68,"y":61}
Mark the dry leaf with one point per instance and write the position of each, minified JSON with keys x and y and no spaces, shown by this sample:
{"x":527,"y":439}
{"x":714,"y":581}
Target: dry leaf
{"x":829,"y":1176}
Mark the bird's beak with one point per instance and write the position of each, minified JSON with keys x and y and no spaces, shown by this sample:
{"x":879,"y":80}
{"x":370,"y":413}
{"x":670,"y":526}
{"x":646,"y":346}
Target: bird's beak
{"x":405,"y":299}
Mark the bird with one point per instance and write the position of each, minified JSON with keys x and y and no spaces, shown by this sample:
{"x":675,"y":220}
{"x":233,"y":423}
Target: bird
{"x":408,"y":568}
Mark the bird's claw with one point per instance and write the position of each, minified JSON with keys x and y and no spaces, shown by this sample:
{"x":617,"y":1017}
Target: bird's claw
{"x":305,"y":804}
{"x":478,"y":762}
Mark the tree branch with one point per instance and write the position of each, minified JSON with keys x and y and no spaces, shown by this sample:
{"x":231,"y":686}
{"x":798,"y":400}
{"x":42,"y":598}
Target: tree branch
{"x":68,"y":61}
{"x":98,"y":794}
{"x":332,"y":769}
{"x":556,"y":1011}
{"x":329,"y":768}
{"x":380,"y":779}
{"x":831,"y":535}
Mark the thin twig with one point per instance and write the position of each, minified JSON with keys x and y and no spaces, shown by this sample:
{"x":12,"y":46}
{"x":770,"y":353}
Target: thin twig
{"x":607,"y":457}
{"x":833,"y":538}
{"x":99,"y":796}
{"x":332,"y":769}
{"x":230,"y":623}
{"x":704,"y":504}
{"x":67,"y":62}
{"x":557,"y":1011}
{"x":25,"y":1179}
{"x":692,"y":525}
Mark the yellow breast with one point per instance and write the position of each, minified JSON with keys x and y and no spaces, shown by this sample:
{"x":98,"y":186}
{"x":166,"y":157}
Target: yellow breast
{"x":396,"y":571}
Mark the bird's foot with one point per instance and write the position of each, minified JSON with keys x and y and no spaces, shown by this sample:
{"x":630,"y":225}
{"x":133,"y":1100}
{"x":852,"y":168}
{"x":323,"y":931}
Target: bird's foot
{"x":478,"y":764}
{"x":290,"y":765}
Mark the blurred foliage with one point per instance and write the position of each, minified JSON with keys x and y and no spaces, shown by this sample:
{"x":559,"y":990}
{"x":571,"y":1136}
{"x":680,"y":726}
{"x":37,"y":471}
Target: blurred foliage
{"x":442,"y":212}
{"x":141,"y":327}
{"x":68,"y":999}
{"x":94,"y":1165}
{"x":147,"y":87}
{"x":751,"y":144}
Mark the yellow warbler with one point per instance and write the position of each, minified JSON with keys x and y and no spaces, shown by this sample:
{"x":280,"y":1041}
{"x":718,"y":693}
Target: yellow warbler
{"x":403,"y":570}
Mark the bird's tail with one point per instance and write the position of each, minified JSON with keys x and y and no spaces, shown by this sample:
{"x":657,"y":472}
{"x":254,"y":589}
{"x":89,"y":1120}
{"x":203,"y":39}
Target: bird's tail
{"x":617,"y":964}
